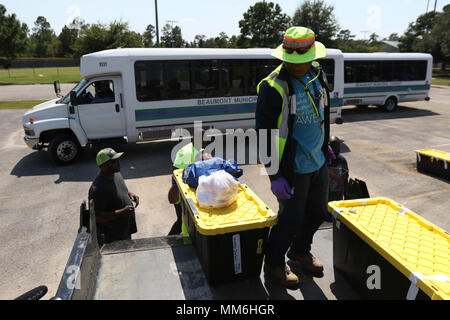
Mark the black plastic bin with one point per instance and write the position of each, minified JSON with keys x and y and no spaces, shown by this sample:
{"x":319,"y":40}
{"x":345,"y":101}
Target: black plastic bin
{"x":434,"y":161}
{"x":229,"y":242}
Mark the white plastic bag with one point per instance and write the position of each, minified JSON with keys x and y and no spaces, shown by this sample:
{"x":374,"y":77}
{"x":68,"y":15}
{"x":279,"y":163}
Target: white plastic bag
{"x":216,"y":191}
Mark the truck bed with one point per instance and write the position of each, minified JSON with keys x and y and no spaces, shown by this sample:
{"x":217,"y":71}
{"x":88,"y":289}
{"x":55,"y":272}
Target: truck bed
{"x":167,"y":268}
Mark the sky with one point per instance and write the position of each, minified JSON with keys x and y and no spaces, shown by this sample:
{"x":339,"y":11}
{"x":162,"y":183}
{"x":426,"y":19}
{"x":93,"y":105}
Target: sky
{"x":210,"y":17}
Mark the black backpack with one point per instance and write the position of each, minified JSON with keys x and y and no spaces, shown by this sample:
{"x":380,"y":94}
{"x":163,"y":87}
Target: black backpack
{"x":356,"y":189}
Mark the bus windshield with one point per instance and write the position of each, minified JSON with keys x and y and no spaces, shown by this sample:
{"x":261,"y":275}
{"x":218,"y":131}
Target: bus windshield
{"x":77,"y":88}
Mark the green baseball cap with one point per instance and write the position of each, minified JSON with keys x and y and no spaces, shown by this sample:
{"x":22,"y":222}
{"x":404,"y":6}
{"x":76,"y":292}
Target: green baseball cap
{"x":106,"y":155}
{"x":299,"y":46}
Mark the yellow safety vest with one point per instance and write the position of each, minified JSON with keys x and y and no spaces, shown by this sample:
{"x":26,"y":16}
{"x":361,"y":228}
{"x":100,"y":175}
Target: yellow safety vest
{"x":283,"y":89}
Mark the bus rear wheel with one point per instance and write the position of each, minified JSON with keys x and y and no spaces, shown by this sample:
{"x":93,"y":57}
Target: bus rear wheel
{"x":390,"y":105}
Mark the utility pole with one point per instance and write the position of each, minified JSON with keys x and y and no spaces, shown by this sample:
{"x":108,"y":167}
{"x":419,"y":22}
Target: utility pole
{"x":435,"y":3}
{"x":157,"y":26}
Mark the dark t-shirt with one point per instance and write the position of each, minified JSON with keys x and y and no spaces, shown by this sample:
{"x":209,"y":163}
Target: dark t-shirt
{"x":110,"y":195}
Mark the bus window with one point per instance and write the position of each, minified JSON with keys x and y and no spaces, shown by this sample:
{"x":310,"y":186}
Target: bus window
{"x":398,"y":71}
{"x":177,"y":80}
{"x":233,"y":77}
{"x":349,"y":77}
{"x":387,"y":71}
{"x":328,"y":68}
{"x":149,"y":80}
{"x":258,"y":70}
{"x":416,"y":70}
{"x":206,"y":76}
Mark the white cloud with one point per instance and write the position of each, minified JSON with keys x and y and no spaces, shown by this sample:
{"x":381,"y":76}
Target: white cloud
{"x":73,"y":11}
{"x":374,"y":19}
{"x":187,"y":20}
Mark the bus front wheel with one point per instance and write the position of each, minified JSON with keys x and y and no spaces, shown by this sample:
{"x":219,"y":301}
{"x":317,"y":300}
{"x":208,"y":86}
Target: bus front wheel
{"x":64,"y":149}
{"x":390,"y":105}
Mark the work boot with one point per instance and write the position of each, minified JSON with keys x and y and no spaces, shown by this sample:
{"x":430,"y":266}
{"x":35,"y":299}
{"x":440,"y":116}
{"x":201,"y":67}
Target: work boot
{"x":281,"y":274}
{"x":308,"y":261}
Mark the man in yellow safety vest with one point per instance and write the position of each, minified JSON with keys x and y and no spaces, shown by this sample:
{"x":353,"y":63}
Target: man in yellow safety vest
{"x":294,"y":99}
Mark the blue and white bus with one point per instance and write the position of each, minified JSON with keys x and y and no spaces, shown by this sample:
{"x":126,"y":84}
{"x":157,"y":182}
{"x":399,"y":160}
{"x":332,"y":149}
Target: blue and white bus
{"x":385,"y":79}
{"x":153,"y":92}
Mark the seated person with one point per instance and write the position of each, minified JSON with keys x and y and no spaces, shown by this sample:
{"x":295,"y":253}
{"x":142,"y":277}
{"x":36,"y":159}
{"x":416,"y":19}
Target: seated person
{"x":103,"y":92}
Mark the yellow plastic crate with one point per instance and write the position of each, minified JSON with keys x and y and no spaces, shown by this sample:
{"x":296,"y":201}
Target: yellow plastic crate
{"x":434,"y":161}
{"x":435,"y":154}
{"x":248,"y":212}
{"x":414,"y":246}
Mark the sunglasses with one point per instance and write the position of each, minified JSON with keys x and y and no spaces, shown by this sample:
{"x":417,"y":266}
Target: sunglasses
{"x":298,"y":50}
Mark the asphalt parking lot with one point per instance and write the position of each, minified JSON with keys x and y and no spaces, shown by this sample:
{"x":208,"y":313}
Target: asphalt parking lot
{"x":40,"y":202}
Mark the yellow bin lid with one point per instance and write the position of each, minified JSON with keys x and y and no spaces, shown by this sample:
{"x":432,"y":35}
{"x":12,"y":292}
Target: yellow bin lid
{"x":247,"y":213}
{"x":434,"y":154}
{"x":416,"y":247}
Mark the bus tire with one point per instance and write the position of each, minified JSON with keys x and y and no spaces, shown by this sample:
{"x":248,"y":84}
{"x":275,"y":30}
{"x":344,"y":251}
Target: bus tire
{"x":64,"y":149}
{"x":390,"y":105}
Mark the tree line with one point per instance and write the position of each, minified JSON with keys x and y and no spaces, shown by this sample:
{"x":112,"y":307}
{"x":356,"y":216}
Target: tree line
{"x":262,"y":25}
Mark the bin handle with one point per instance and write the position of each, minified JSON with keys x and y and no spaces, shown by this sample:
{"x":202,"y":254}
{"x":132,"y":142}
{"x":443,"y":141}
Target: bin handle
{"x":193,"y":208}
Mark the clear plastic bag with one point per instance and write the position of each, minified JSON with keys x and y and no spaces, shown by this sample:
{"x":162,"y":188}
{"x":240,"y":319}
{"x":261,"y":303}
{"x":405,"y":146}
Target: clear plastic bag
{"x":216,"y":191}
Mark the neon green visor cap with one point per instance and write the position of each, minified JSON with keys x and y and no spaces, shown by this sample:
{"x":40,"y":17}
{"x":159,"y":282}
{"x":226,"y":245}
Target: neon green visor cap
{"x":299,"y":46}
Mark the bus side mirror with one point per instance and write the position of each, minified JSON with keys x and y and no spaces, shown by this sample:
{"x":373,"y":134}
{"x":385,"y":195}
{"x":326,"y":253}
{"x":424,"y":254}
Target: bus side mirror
{"x":73,"y":102}
{"x":57,"y":87}
{"x":73,"y":98}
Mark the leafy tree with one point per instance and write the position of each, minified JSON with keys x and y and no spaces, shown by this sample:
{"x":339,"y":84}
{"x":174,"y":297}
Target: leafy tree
{"x":221,"y":41}
{"x":263,"y":26}
{"x":199,"y":41}
{"x":417,"y":31}
{"x":148,"y":36}
{"x":374,"y":38}
{"x":345,"y":42}
{"x":68,"y":36}
{"x":393,"y":37}
{"x":345,"y":35}
{"x":99,"y":37}
{"x":440,"y":37}
{"x":171,"y":37}
{"x":320,"y":18}
{"x":13,"y":37}
{"x":429,"y":33}
{"x":232,"y":43}
{"x":42,"y":37}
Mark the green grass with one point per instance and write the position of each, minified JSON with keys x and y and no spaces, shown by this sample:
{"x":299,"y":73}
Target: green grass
{"x":28,"y":104}
{"x":441,"y":78}
{"x":39,"y":75}
{"x":441,"y":82}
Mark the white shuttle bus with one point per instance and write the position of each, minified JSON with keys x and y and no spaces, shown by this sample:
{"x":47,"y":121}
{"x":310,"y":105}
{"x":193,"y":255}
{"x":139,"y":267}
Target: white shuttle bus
{"x":385,"y":79}
{"x":144,"y":94}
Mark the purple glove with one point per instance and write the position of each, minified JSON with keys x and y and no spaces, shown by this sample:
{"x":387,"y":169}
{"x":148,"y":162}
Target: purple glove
{"x":331,"y":156}
{"x":281,"y":189}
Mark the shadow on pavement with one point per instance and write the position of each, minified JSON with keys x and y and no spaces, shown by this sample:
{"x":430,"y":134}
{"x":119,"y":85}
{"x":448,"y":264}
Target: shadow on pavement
{"x":355,"y":114}
{"x":139,"y":161}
